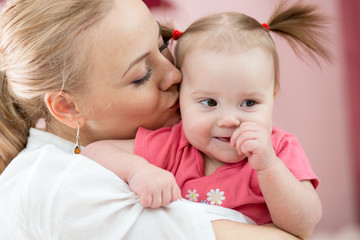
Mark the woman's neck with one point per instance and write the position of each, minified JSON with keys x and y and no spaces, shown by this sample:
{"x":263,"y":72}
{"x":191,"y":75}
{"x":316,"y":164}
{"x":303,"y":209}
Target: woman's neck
{"x":59,"y":129}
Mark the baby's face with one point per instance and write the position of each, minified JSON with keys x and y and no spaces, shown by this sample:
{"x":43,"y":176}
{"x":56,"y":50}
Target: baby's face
{"x":221,"y":91}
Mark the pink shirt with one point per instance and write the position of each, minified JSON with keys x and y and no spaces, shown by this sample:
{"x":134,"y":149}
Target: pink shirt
{"x":234,"y":185}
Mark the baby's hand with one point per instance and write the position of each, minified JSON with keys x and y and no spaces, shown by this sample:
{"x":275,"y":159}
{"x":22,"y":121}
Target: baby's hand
{"x":155,"y":186}
{"x":254,"y":141}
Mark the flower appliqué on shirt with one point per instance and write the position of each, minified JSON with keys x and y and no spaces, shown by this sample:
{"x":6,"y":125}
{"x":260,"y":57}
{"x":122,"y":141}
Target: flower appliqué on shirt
{"x":215,"y":197}
{"x":192,"y":195}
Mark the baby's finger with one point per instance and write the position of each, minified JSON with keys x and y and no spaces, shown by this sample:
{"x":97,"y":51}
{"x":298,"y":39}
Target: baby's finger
{"x":244,"y":127}
{"x":166,"y":196}
{"x":245,"y":136}
{"x":176,"y":193}
{"x":235,"y":135}
{"x":145,"y":201}
{"x":248,"y":147}
{"x":156,"y":200}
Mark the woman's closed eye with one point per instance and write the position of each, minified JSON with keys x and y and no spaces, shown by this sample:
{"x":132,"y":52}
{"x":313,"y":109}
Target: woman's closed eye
{"x":143,"y":79}
{"x":148,"y":72}
{"x":209,"y":102}
{"x":248,"y":103}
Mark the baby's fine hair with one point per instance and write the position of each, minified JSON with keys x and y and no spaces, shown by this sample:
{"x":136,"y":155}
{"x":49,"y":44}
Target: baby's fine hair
{"x":303,"y":26}
{"x":42,"y":49}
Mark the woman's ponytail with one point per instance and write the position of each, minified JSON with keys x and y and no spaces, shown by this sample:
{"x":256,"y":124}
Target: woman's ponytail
{"x":14,"y":128}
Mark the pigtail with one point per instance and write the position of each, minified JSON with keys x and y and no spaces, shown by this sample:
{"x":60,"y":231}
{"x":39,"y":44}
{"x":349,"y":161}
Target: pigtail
{"x":14,"y":129}
{"x":304,"y":28}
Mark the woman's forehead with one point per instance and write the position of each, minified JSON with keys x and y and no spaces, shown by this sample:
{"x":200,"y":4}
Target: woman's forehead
{"x":128,"y":16}
{"x":127,"y":32}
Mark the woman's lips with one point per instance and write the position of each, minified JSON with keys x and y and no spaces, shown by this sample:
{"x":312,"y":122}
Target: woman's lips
{"x":175,"y":105}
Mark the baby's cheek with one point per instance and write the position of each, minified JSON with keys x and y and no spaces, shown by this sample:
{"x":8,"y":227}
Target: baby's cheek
{"x":191,"y":128}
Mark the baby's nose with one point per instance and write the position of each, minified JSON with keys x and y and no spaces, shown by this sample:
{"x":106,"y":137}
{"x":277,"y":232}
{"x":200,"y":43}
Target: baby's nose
{"x":229,"y":121}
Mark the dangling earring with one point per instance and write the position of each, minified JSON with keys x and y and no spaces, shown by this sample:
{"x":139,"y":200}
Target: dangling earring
{"x":77,"y":145}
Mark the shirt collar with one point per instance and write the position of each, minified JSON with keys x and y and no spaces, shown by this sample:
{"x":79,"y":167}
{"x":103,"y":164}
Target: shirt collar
{"x":39,"y":138}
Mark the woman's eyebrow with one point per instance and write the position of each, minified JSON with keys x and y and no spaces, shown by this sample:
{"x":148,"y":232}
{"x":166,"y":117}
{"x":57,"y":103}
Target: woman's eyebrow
{"x":141,"y":57}
{"x":137,"y":60}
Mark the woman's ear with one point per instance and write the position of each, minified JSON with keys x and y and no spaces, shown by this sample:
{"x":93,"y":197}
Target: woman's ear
{"x":62,"y":107}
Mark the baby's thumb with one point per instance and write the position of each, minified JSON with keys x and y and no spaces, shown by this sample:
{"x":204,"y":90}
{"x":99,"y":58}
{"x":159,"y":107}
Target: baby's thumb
{"x":176,"y":193}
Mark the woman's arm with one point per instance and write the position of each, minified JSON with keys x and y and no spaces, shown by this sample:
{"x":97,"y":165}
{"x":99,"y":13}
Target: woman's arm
{"x":230,"y":230}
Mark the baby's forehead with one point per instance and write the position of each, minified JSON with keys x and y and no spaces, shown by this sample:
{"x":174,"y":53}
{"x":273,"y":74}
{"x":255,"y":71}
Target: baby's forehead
{"x":210,"y":54}
{"x":224,"y":49}
{"x":218,"y":72}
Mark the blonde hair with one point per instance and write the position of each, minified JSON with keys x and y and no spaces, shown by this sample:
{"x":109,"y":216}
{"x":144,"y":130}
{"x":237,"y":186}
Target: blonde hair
{"x":40,"y":52}
{"x":301,"y":25}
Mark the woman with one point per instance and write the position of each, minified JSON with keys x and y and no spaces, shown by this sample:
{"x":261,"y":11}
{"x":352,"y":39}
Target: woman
{"x":92,"y":69}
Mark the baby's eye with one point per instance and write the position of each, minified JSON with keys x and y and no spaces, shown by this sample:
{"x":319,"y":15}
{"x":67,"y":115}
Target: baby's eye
{"x":209,"y":102}
{"x":248,"y":103}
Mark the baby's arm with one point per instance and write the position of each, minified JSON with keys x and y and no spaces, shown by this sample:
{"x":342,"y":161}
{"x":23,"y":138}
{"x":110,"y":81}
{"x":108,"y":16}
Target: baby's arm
{"x":155,"y":186}
{"x":294,"y":205}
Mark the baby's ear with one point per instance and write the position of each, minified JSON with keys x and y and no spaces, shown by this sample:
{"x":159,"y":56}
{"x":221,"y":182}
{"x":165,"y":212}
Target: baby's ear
{"x":62,"y":107}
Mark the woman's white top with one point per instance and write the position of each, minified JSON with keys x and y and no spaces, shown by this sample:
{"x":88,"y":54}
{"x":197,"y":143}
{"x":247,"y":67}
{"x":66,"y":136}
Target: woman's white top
{"x":48,"y":192}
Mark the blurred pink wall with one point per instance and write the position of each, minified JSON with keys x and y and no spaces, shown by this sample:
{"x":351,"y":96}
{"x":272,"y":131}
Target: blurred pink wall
{"x":350,"y":10}
{"x":312,"y":103}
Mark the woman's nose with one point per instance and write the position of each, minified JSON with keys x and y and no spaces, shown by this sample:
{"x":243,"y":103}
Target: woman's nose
{"x":229,"y":121}
{"x":171,"y":76}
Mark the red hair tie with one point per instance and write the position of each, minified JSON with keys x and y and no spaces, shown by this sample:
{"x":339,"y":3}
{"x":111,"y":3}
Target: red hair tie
{"x":266,"y":26}
{"x":176,"y":34}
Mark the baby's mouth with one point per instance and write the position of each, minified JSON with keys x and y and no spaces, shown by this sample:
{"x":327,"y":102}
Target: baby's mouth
{"x":223,"y":139}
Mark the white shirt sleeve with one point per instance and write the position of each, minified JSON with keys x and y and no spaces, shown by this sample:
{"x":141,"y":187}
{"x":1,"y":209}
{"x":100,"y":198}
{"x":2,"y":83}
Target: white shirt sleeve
{"x":93,"y":203}
{"x":47,"y":194}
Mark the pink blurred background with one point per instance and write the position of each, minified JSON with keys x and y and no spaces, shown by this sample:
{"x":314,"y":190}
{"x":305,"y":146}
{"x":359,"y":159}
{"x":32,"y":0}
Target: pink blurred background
{"x":321,"y":106}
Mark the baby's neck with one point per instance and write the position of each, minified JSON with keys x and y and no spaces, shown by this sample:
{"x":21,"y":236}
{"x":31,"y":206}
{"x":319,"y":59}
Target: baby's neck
{"x":211,"y":164}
